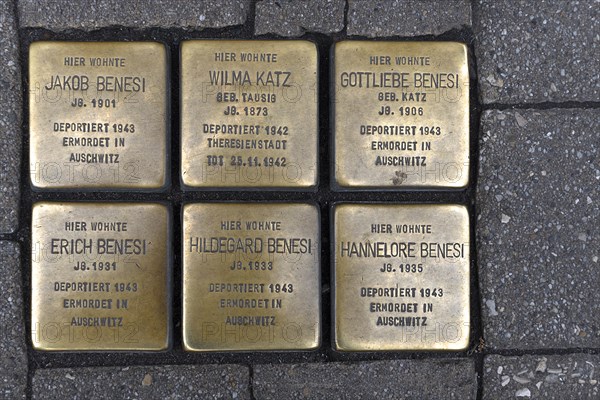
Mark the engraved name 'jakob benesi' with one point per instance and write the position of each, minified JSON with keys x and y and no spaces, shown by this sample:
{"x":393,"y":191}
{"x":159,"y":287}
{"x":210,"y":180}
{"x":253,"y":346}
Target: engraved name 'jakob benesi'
{"x":94,"y":107}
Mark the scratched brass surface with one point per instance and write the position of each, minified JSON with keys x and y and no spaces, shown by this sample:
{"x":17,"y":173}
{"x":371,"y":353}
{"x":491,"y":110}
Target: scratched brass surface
{"x":100,"y":276}
{"x":98,"y":115}
{"x":401,"y":115}
{"x":249,"y":113}
{"x":401,"y":277}
{"x":248,"y":286}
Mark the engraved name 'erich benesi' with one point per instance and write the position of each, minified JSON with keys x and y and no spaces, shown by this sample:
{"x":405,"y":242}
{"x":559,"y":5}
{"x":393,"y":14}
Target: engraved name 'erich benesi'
{"x":100,"y":274}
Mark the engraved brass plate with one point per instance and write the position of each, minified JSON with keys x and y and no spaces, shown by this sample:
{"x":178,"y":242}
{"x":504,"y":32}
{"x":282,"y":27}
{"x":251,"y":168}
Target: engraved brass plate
{"x":249,"y":113}
{"x":401,"y":114}
{"x":401,"y":277}
{"x":98,"y":115}
{"x":100,"y":276}
{"x":251,"y":277}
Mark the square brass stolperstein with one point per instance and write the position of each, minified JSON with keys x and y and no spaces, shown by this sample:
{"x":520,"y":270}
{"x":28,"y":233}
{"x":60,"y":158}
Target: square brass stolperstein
{"x":98,"y":115}
{"x":251,"y":277}
{"x":401,"y":115}
{"x":100,"y":276}
{"x":249,"y":114}
{"x":401,"y":277}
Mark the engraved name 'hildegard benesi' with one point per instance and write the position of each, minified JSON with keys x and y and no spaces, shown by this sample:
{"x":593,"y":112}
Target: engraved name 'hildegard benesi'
{"x":250,"y":277}
{"x":94,"y":108}
{"x":401,"y":114}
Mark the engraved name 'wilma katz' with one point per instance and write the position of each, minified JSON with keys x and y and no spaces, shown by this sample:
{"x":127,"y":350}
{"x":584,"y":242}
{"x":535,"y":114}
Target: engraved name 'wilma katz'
{"x":262,"y":78}
{"x":103,"y":83}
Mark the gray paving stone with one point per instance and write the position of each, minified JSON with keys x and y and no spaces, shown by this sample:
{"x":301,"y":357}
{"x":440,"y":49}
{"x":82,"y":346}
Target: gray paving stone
{"x":406,"y":17}
{"x":400,"y":379}
{"x":538,"y":234}
{"x":94,"y":14}
{"x":293,"y":18}
{"x":13,"y":350}
{"x":538,"y":51}
{"x":10,"y":119}
{"x":555,"y":377}
{"x":152,"y":382}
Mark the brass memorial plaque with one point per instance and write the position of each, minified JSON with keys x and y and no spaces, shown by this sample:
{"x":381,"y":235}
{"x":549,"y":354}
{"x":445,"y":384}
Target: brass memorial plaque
{"x":401,"y":115}
{"x":401,"y":277}
{"x":98,"y":115}
{"x":100,"y":276}
{"x":251,"y":277}
{"x":249,"y":114}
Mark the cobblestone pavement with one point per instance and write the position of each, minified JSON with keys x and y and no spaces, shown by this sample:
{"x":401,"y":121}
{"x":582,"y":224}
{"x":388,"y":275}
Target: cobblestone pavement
{"x":537,"y":202}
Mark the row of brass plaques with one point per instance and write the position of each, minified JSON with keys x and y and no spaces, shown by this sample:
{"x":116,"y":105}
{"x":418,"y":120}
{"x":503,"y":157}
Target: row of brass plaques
{"x":102,"y":272}
{"x":99,"y":115}
{"x":101,"y":276}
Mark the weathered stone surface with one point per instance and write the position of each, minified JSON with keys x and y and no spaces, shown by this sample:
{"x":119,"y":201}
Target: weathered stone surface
{"x":400,"y":379}
{"x":556,"y":377}
{"x":293,"y":18}
{"x":94,"y":14}
{"x":156,"y":382}
{"x":406,"y":17}
{"x":538,"y":234}
{"x":10,"y":119}
{"x":13,"y":351}
{"x":537,"y":51}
